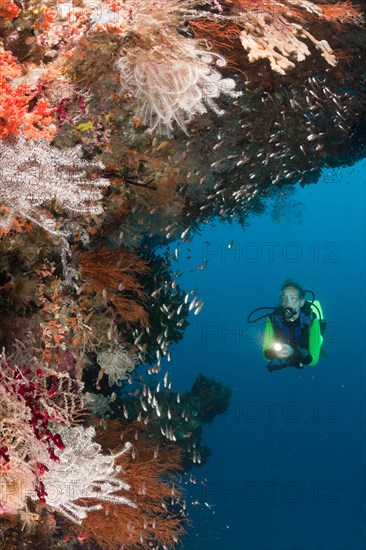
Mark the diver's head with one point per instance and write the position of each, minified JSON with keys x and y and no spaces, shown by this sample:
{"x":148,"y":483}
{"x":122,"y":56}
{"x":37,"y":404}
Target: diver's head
{"x":292,"y":300}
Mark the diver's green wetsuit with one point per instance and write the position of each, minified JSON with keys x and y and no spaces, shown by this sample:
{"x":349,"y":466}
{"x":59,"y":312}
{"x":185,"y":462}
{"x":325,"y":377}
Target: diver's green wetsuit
{"x":306,"y":342}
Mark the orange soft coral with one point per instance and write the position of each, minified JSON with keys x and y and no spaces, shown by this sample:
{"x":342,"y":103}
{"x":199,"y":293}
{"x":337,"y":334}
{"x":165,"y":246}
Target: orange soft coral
{"x":8,"y":10}
{"x":16,"y":113}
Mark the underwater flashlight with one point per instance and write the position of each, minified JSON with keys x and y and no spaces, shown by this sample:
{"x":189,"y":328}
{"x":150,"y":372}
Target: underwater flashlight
{"x":277,"y":347}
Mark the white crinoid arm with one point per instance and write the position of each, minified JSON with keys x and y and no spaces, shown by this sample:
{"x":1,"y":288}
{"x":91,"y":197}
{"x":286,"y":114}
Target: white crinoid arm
{"x":173,"y":85}
{"x":83,"y":472}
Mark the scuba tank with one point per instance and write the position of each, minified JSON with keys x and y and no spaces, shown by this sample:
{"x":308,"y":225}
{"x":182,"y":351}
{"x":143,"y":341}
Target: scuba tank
{"x":317,"y":309}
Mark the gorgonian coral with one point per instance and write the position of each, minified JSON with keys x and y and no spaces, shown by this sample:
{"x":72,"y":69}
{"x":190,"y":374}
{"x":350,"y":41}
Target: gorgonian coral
{"x":34,"y":175}
{"x":114,"y":275}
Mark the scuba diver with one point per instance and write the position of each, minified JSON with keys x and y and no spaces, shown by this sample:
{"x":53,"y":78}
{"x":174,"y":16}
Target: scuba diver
{"x":294,"y":331}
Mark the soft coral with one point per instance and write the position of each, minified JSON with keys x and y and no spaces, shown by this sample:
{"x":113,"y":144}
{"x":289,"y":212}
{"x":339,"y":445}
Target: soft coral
{"x":16,"y":114}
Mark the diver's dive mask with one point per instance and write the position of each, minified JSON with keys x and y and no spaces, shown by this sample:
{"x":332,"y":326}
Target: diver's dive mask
{"x":288,"y":312}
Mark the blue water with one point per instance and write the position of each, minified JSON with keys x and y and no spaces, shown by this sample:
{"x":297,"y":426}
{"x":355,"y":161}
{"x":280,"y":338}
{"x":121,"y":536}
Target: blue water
{"x":288,"y":464}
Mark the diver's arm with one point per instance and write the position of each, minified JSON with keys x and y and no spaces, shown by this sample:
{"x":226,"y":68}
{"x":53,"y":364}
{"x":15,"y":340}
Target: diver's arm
{"x":300,"y":356}
{"x":315,"y":342}
{"x":268,"y":341}
{"x":309,"y":357}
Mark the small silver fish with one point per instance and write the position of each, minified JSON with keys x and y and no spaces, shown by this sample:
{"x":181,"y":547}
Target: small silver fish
{"x":196,"y":312}
{"x":185,"y":232}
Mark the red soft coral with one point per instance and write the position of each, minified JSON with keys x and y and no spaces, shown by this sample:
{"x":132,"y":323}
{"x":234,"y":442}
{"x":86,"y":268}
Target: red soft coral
{"x":16,"y":114}
{"x":8,"y":10}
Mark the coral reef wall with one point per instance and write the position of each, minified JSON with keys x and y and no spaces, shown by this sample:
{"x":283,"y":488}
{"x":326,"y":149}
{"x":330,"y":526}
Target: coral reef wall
{"x":125,"y":125}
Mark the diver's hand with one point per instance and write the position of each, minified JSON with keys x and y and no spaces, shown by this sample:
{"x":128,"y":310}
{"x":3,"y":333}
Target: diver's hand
{"x":285,"y":352}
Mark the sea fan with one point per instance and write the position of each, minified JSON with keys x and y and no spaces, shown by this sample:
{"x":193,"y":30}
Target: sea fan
{"x":114,"y":274}
{"x":33,"y":175}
